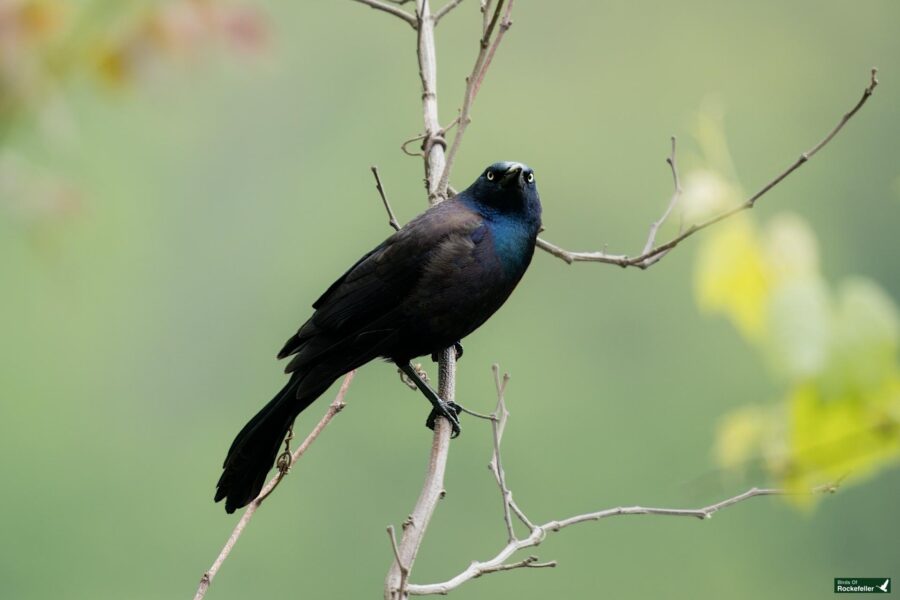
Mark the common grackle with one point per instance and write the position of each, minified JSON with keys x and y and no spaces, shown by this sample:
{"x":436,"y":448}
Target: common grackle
{"x":420,"y":291}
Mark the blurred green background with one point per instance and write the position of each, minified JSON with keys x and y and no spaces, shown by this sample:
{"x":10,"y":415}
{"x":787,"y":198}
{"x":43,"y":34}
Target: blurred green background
{"x":166,"y":222}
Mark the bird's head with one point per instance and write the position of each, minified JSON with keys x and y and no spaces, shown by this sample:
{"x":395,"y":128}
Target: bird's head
{"x":507,"y":187}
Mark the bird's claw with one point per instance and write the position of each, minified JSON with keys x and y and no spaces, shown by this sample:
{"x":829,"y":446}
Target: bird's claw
{"x":435,"y":357}
{"x":448,"y":410}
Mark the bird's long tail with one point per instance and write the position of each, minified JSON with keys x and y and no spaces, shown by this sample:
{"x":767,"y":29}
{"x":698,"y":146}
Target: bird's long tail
{"x":254,"y":449}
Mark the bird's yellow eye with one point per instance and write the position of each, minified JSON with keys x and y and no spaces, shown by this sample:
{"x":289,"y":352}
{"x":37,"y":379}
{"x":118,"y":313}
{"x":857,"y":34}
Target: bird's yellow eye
{"x":490,"y":175}
{"x":531,"y":178}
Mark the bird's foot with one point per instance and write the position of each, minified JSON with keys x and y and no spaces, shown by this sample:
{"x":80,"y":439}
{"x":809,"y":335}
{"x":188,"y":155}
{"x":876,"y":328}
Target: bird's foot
{"x":448,"y":410}
{"x":456,"y":346}
{"x":407,"y":380}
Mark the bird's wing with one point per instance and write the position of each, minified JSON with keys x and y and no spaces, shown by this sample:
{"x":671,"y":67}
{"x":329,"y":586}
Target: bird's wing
{"x":381,"y":279}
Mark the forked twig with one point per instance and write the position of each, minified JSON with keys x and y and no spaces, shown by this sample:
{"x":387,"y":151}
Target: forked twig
{"x":537,"y":533}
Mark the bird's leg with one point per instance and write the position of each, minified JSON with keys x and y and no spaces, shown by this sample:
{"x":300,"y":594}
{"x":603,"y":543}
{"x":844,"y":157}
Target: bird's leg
{"x":456,"y":346}
{"x":448,"y":410}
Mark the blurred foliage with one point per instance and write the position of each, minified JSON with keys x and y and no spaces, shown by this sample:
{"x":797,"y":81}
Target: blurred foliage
{"x":180,"y":179}
{"x":835,"y":351}
{"x":44,"y":44}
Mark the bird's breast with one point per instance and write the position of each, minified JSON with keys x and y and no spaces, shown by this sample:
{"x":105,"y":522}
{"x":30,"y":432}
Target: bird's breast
{"x":512,"y":242}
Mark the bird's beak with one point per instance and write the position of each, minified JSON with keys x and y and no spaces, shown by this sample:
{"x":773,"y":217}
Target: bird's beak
{"x":511,"y":174}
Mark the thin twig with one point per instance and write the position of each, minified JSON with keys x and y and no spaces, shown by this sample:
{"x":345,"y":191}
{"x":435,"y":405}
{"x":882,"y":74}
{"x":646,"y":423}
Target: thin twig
{"x":505,"y":24}
{"x":404,"y":570}
{"x":333,"y":409}
{"x":441,"y":132}
{"x":498,"y":424}
{"x":403,"y":146}
{"x":698,"y":513}
{"x":487,"y":48}
{"x":475,"y":414}
{"x":652,"y":255}
{"x":501,"y":416}
{"x":392,"y":10}
{"x":530,"y":562}
{"x":485,"y":14}
{"x":673,"y":201}
{"x":392,"y":220}
{"x":441,"y":13}
{"x":504,"y":491}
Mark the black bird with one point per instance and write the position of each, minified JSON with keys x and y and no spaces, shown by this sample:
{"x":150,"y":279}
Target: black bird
{"x":423,"y":289}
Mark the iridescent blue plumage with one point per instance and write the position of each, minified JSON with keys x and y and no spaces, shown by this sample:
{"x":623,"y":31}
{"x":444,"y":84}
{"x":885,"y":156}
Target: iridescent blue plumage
{"x":512,"y":211}
{"x":423,"y":289}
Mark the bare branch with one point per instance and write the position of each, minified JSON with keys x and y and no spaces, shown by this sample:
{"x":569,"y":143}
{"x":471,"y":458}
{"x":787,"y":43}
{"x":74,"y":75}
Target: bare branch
{"x":653,"y":254}
{"x":487,"y":48}
{"x":698,"y":513}
{"x":434,"y":144}
{"x":392,"y":10}
{"x":333,"y":409}
{"x":539,"y":532}
{"x":392,"y":220}
{"x":440,"y":14}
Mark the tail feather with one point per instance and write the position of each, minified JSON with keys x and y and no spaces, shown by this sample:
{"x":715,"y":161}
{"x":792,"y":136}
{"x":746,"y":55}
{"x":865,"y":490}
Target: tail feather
{"x":255,"y":448}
